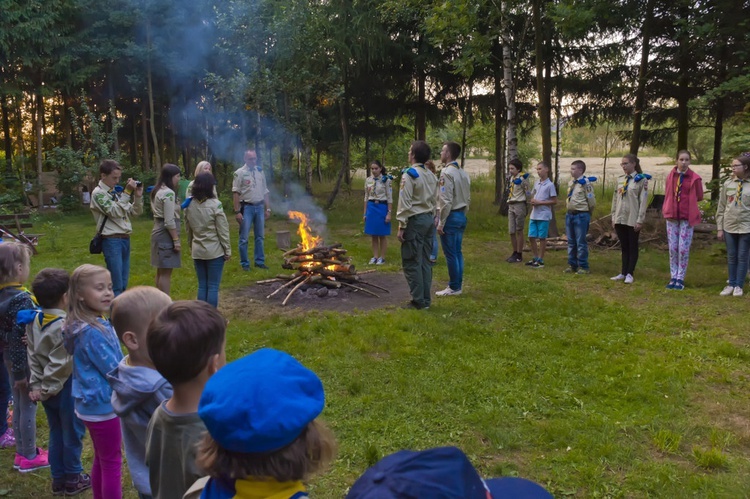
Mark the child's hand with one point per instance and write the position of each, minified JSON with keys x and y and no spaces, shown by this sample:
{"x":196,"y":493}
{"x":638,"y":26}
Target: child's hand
{"x":35,"y":395}
{"x":25,"y":339}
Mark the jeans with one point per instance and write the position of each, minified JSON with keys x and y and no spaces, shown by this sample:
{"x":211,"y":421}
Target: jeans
{"x":4,"y":395}
{"x":255,"y":216}
{"x":576,"y":228}
{"x":738,"y":250}
{"x":65,"y":434}
{"x":106,"y":472}
{"x":117,"y":257}
{"x":415,"y":257}
{"x":452,"y":239}
{"x":209,"y":278}
{"x":434,"y":247}
{"x":629,"y":243}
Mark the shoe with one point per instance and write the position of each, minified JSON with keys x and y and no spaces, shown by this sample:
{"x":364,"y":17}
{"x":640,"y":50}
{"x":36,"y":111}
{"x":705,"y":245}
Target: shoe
{"x":570,"y":270}
{"x":583,"y":272}
{"x":7,"y":439}
{"x":629,"y":279}
{"x":618,"y":277}
{"x":373,"y":261}
{"x":531,"y":262}
{"x":671,"y":284}
{"x":246,"y":269}
{"x":448,"y":292}
{"x":679,"y":285}
{"x":414,"y":305}
{"x":83,"y":482}
{"x":728,"y":290}
{"x":262,"y":266}
{"x":380,"y":261}
{"x":40,"y":461}
{"x":58,"y":489}
{"x":17,"y":460}
{"x":737,"y":291}
{"x":539,"y":264}
{"x":519,"y":258}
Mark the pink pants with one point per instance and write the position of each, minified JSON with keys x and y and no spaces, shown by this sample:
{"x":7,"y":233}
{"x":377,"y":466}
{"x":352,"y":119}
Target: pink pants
{"x":106,"y":472}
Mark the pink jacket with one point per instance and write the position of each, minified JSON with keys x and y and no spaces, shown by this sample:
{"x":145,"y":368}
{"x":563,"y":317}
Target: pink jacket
{"x":690,"y":193}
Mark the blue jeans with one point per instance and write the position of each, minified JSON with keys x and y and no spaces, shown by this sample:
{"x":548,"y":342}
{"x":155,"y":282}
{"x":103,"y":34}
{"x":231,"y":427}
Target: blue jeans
{"x":209,"y":278}
{"x":434,"y":250}
{"x":4,"y":395}
{"x":452,"y":240}
{"x":117,"y":257}
{"x":254,"y":215}
{"x":576,"y":228}
{"x":65,"y":434}
{"x":738,"y":251}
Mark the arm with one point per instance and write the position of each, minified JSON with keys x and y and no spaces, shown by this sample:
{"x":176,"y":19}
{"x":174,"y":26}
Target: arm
{"x":188,"y":228}
{"x":445,"y":198}
{"x":236,"y":181}
{"x":699,"y":189}
{"x":367,"y":196}
{"x":722,"y":206}
{"x":222,"y":229}
{"x":590,"y":197}
{"x":642,"y":204}
{"x":137,"y":206}
{"x":35,"y":361}
{"x":101,"y":354}
{"x":60,"y":365}
{"x":614,"y":206}
{"x":16,"y":346}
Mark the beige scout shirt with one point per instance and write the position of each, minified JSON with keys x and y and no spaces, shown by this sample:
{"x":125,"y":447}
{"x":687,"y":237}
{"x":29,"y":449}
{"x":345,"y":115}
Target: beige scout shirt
{"x":207,"y":229}
{"x":630,"y":200}
{"x":416,"y":195}
{"x":581,"y":197}
{"x":733,"y":211}
{"x":49,"y":361}
{"x":454,"y":191}
{"x":165,"y":207}
{"x":378,"y":190}
{"x":519,"y":193}
{"x":117,"y":206}
{"x":250,"y":185}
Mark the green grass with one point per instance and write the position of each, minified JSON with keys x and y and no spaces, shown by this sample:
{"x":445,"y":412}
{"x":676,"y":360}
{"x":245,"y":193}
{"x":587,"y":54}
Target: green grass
{"x":592,"y":388}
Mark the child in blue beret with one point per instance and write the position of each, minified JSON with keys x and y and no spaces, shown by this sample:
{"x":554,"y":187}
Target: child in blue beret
{"x":264,"y":439}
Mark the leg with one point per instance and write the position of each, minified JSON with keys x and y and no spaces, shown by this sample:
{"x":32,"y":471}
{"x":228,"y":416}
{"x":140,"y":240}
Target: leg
{"x":448,"y":242}
{"x":433,"y":247}
{"x":112,"y":250}
{"x":201,"y":271}
{"x":534,"y":248}
{"x":622,"y":236}
{"x":428,"y":234}
{"x":743,"y":253}
{"x":732,"y":242}
{"x":4,"y":397}
{"x":215,"y":269}
{"x":542,"y":248}
{"x":125,"y":255}
{"x":72,"y":432}
{"x":259,"y":222}
{"x":107,"y":470}
{"x":411,"y":261}
{"x":56,"y":447}
{"x":164,"y":279}
{"x":375,"y":247}
{"x":583,"y":220}
{"x":634,"y":237}
{"x":24,"y":423}
{"x":685,"y":241}
{"x":572,"y":241}
{"x":244,"y":232}
{"x":383,"y":246}
{"x":459,"y":248}
{"x":673,"y":240}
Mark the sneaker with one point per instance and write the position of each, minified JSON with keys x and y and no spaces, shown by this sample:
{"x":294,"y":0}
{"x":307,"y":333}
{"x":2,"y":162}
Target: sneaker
{"x":414,"y":305}
{"x":40,"y":461}
{"x":58,"y":489}
{"x":618,"y":277}
{"x":261,"y":266}
{"x":17,"y":461}
{"x":671,"y":284}
{"x":538,"y":264}
{"x":583,"y":272}
{"x":570,"y":270}
{"x":737,"y":291}
{"x":7,"y":439}
{"x":728,"y":290}
{"x":629,"y":279}
{"x":511,"y":258}
{"x":519,"y":258}
{"x":373,"y":261}
{"x":531,"y":262}
{"x":83,"y":482}
{"x":679,"y":284}
{"x":448,"y":292}
{"x":380,"y":261}
{"x":246,"y":269}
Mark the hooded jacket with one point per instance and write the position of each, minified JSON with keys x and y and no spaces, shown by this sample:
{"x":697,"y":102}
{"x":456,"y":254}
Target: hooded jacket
{"x":13,"y":299}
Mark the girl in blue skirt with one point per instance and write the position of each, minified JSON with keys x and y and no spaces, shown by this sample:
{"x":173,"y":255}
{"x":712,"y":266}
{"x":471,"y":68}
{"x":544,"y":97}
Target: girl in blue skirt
{"x":377,"y":215}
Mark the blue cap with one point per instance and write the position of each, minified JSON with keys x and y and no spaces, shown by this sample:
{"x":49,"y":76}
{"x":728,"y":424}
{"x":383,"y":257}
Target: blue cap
{"x":440,"y":473}
{"x":261,"y":402}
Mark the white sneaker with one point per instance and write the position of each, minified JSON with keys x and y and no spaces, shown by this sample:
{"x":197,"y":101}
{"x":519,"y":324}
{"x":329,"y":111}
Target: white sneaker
{"x":448,"y":292}
{"x":618,"y":277}
{"x":727,"y":291}
{"x":737,"y":291}
{"x":629,"y":279}
{"x":373,"y":261}
{"x":380,"y":261}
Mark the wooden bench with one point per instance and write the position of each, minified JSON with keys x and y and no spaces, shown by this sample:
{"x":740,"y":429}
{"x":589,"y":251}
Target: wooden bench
{"x":12,"y":228}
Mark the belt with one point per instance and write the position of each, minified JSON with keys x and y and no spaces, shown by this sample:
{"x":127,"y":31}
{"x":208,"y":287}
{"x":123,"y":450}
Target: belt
{"x":116,"y":236}
{"x":576,"y":212}
{"x":244,"y":203}
{"x":516,"y":202}
{"x":377,"y":201}
{"x":158,"y":219}
{"x":459,"y":209}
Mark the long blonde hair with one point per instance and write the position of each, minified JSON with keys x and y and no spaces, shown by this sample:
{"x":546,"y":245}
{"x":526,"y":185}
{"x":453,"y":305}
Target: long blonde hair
{"x":11,"y":254}
{"x":201,"y":168}
{"x":78,"y":311}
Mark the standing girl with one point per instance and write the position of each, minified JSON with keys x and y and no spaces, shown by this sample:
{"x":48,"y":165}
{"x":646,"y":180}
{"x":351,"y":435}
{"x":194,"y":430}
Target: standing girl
{"x":202,"y":167}
{"x":14,"y":297}
{"x":378,"y":203}
{"x":733,"y":224}
{"x":92,"y":342}
{"x":629,"y":204}
{"x":165,"y":237}
{"x":682,"y":192}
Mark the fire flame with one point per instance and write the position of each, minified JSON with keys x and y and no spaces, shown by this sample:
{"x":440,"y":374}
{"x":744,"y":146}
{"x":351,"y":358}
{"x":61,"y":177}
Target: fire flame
{"x":309,"y":241}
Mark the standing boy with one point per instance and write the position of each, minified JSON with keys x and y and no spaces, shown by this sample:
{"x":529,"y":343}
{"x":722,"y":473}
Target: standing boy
{"x":137,"y":387}
{"x":518,"y":195}
{"x":543,"y":198}
{"x":251,"y":208}
{"x":186,"y":344}
{"x":580,"y":204}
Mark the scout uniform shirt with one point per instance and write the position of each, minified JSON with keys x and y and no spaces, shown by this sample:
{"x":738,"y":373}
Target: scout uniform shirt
{"x":519,"y":193}
{"x":378,"y":190}
{"x":165,"y":207}
{"x":416,"y":195}
{"x":453,"y":192}
{"x":733,"y":212}
{"x":250,"y":184}
{"x":629,"y":202}
{"x":207,"y":229}
{"x":50,"y":363}
{"x":116,"y":206}
{"x":580,"y":196}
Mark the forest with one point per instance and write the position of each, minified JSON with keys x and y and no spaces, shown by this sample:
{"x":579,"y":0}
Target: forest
{"x":321,"y":87}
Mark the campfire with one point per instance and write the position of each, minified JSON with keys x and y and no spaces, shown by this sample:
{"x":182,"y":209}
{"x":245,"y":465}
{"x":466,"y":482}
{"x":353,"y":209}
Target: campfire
{"x":317,"y":265}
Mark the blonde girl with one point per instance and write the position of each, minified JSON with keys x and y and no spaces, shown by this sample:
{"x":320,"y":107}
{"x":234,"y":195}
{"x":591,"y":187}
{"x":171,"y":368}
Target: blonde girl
{"x":202,"y":167}
{"x":15,"y":259}
{"x":92,"y":342}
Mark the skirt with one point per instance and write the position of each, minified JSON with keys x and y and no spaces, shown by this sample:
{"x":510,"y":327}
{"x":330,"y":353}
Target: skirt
{"x":163,"y":255}
{"x":375,"y":224}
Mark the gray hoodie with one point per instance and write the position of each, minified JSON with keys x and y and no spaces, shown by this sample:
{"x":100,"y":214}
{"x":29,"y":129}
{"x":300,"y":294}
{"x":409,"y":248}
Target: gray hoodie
{"x":136,"y":393}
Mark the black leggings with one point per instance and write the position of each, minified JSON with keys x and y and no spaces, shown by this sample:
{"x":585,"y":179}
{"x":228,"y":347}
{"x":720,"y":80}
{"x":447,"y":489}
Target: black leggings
{"x":629,"y":243}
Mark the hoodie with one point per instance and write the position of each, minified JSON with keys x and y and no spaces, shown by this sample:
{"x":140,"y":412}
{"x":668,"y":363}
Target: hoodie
{"x":136,"y":393}
{"x":13,"y":299}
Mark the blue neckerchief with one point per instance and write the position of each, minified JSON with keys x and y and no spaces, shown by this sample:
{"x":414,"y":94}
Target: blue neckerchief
{"x":28,"y":316}
{"x":186,"y":203}
{"x":519,"y":181}
{"x":453,"y":163}
{"x":640,"y":176}
{"x":385,"y":178}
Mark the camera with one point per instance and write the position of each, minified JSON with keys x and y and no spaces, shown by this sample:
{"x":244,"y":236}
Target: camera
{"x":138,"y":183}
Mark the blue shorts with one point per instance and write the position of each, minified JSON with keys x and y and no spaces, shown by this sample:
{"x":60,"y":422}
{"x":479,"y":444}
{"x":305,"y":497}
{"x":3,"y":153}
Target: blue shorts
{"x":538,"y":229}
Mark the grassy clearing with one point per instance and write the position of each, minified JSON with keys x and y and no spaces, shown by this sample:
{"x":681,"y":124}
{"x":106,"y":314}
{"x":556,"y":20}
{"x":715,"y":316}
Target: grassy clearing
{"x":593,"y":388}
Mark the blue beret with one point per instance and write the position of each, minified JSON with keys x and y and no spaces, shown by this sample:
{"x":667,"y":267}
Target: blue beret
{"x":261,"y":402}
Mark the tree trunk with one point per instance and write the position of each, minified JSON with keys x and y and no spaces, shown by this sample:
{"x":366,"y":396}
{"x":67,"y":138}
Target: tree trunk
{"x":420,"y":125}
{"x":308,"y":166}
{"x":718,"y":125}
{"x":152,"y":117}
{"x":8,"y":140}
{"x":345,"y":152}
{"x":640,"y":92}
{"x":466,"y":120}
{"x":317,"y":163}
{"x":144,"y":129}
{"x":39,"y":158}
{"x":541,"y":86}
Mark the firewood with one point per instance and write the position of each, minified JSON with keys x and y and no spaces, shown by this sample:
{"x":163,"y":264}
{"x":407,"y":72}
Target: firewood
{"x":361,"y":289}
{"x":295,"y":288}
{"x":292,"y":251}
{"x":269,"y":281}
{"x":296,"y":279}
{"x":374,"y":286}
{"x":363,"y":272}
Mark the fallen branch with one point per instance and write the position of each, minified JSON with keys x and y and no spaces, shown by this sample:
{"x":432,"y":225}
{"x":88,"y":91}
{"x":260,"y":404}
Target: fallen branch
{"x":360,"y":289}
{"x":295,"y":288}
{"x":269,"y":281}
{"x":286,"y":285}
{"x":374,"y":286}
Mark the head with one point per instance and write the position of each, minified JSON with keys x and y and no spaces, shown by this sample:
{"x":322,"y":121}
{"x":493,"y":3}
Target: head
{"x":186,"y":341}
{"x":15,"y":262}
{"x":741,"y":167}
{"x":203,"y":187}
{"x":419,"y":152}
{"x":515,"y":166}
{"x":202,"y":167}
{"x":110,"y":172}
{"x":450,"y":152}
{"x":542,"y":170}
{"x":577,"y":168}
{"x":269,"y":428}
{"x":132,"y":312}
{"x":251,"y":158}
{"x":90,"y":294}
{"x":683,"y":160}
{"x":377,"y":168}
{"x":50,"y":286}
{"x":631,"y":164}
{"x":169,"y":177}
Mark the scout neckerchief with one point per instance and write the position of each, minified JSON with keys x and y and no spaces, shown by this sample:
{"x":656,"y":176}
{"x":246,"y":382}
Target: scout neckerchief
{"x":625,"y":185}
{"x":455,"y":163}
{"x":739,"y":191}
{"x":678,"y":187}
{"x":28,"y":316}
{"x":572,"y":188}
{"x":21,"y":288}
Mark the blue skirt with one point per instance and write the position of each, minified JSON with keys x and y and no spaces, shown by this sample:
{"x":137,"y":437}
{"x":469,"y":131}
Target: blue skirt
{"x":375,"y":224}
